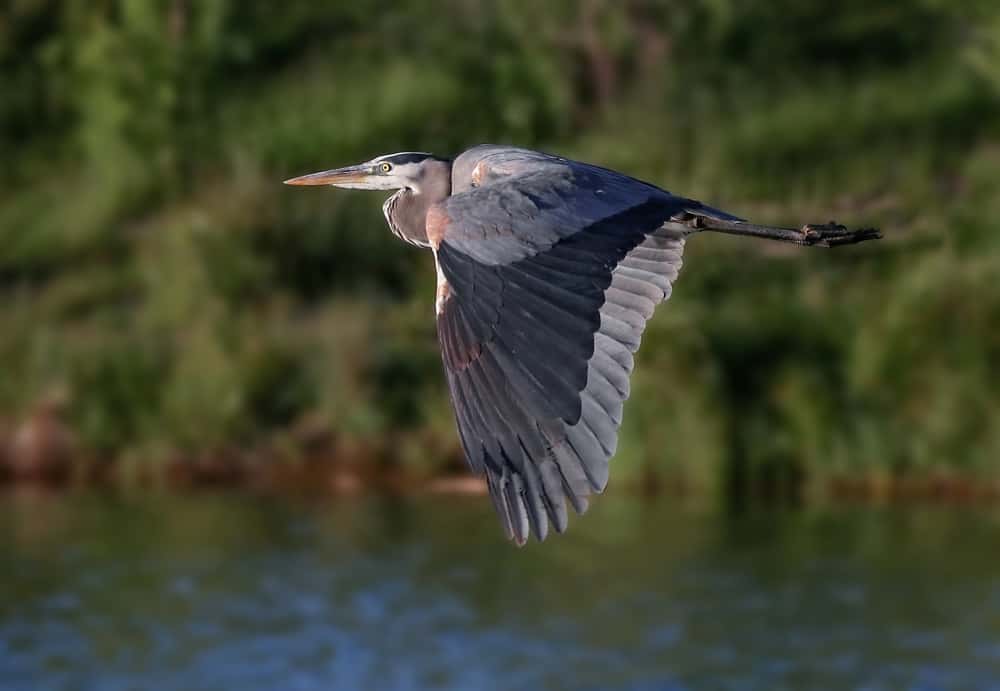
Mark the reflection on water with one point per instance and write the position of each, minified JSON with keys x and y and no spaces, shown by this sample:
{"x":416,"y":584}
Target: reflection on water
{"x":237,"y":592}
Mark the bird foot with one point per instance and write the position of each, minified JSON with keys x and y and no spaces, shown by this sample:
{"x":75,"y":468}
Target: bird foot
{"x":833,"y":234}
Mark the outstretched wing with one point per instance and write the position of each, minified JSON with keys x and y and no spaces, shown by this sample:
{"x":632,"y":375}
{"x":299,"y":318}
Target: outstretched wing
{"x":548,"y":271}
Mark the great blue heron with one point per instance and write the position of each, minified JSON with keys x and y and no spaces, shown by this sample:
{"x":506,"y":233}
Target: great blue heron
{"x":547,"y":271}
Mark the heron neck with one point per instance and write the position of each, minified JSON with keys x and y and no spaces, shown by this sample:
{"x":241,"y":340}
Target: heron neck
{"x":406,"y":211}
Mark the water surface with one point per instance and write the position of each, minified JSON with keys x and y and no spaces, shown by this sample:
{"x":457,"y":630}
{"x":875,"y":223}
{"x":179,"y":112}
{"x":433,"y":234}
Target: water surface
{"x":229,"y":591}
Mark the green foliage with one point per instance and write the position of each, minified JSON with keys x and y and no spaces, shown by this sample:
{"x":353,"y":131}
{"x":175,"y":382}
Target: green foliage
{"x":278,"y":389}
{"x":152,"y":265}
{"x":116,"y":393}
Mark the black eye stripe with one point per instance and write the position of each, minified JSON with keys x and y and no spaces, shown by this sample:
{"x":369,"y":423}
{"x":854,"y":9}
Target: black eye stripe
{"x":416,"y":157}
{"x":403,"y":159}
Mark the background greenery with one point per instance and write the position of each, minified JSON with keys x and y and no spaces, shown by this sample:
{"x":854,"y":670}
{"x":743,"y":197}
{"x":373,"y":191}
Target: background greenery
{"x":156,"y":275}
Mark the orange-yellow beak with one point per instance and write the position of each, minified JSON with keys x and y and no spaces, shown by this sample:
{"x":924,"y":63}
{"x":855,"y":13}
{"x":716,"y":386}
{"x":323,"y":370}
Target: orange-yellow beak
{"x":351,"y":177}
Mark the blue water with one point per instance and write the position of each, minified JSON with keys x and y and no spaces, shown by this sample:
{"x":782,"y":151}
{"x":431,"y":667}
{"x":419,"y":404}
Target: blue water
{"x":228,"y":591}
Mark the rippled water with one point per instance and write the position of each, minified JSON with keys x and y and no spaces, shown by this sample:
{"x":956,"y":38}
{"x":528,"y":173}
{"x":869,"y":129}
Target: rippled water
{"x":235,"y":592}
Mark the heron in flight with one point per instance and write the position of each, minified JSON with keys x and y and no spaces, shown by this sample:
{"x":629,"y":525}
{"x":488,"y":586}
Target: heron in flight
{"x":547,"y":271}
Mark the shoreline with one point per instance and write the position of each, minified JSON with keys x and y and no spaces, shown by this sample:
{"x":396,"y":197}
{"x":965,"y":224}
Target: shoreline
{"x":45,"y":453}
{"x":328,"y":477}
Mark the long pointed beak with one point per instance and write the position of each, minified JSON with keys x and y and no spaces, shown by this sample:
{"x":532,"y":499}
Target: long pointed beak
{"x":349,"y":177}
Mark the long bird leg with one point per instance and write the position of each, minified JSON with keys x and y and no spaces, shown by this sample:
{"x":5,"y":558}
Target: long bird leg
{"x":820,"y":235}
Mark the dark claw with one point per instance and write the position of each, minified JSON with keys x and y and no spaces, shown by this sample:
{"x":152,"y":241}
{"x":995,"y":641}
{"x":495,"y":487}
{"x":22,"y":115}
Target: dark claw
{"x":833,"y":234}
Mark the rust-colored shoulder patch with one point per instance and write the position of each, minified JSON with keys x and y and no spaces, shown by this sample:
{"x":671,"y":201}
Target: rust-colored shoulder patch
{"x":443,"y":289}
{"x":437,"y":223}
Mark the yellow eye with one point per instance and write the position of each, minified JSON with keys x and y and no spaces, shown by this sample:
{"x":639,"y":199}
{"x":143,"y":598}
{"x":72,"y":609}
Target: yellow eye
{"x":385,"y":167}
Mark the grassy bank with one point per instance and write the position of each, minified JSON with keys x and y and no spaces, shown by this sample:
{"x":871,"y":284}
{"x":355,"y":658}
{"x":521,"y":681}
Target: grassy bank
{"x":176,"y":302}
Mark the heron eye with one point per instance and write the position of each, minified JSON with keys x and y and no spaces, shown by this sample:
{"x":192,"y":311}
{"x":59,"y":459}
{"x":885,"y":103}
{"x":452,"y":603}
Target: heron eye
{"x":385,"y":167}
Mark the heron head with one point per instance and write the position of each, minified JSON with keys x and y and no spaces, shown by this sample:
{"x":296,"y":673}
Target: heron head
{"x":406,"y":170}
